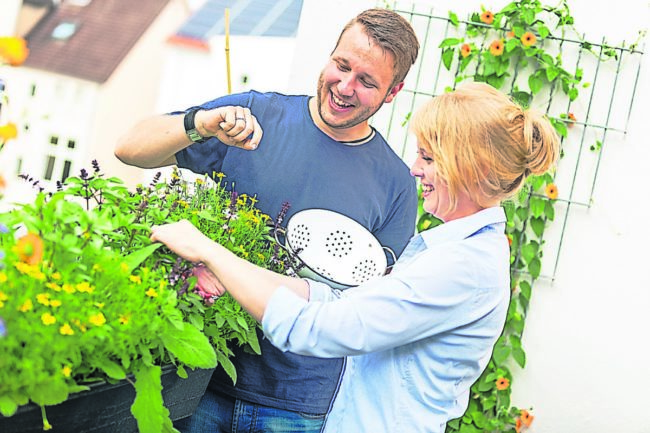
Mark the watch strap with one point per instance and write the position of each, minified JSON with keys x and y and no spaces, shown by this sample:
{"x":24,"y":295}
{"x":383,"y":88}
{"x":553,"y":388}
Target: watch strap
{"x":190,"y":127}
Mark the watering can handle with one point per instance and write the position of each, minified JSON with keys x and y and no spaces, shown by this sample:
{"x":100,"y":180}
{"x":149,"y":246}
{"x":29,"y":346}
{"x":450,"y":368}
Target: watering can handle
{"x":392,"y":254}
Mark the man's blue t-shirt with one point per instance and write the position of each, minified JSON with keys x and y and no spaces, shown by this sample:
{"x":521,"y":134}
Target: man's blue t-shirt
{"x":297,"y":163}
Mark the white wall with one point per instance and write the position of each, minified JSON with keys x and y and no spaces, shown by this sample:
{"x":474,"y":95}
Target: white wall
{"x":588,"y":366}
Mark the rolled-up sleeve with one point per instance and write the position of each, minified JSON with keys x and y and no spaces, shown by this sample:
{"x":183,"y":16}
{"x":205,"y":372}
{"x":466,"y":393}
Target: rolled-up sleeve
{"x":390,"y":311}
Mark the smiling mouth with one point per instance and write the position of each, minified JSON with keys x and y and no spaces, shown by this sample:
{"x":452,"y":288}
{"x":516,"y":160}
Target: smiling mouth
{"x":426,"y":189}
{"x":338,"y":102}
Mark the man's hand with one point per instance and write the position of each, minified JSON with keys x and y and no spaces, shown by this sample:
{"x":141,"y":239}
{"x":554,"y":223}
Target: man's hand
{"x":234,"y":126}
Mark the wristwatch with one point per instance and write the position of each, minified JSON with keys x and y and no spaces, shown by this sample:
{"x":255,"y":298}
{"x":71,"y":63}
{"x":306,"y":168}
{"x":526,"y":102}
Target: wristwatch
{"x":190,"y":127}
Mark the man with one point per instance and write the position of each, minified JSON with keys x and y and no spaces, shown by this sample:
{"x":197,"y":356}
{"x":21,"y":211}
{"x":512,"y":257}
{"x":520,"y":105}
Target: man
{"x":313,"y":152}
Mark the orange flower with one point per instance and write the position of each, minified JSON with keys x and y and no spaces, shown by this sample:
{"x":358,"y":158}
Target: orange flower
{"x":510,"y":34}
{"x":487,"y":17}
{"x":551,"y":191}
{"x":502,"y":383}
{"x":3,"y":183}
{"x":528,"y":39}
{"x":13,"y":50}
{"x":526,"y":417}
{"x":496,"y":47}
{"x":8,"y":131}
{"x":509,"y":239}
{"x":465,"y":50}
{"x":30,"y":249}
{"x":572,"y":119}
{"x":518,"y":425}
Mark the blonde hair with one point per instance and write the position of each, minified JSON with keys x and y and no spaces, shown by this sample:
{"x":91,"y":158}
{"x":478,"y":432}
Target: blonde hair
{"x":483,"y":143}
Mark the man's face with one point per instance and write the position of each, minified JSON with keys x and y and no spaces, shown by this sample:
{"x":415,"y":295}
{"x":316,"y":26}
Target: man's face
{"x":356,"y":81}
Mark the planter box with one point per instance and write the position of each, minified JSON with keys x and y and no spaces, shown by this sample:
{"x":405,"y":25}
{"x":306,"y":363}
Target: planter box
{"x":106,"y":408}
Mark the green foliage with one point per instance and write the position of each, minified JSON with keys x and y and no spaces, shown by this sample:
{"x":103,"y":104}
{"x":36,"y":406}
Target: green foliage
{"x":513,"y":49}
{"x":86,"y":296}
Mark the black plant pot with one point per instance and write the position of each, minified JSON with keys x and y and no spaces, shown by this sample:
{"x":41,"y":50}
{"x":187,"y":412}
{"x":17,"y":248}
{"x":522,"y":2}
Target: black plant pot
{"x":106,"y":408}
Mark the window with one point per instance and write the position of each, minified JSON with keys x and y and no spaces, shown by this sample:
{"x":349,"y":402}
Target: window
{"x":71,"y":144}
{"x":66,"y":170}
{"x":32,"y":90}
{"x":49,"y":167}
{"x":54,"y":140}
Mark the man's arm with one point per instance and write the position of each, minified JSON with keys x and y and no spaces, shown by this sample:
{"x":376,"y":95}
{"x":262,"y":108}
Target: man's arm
{"x":155,"y":141}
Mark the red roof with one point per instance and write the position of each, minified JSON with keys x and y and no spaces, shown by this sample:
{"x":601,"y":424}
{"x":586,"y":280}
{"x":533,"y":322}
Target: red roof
{"x":93,"y":39}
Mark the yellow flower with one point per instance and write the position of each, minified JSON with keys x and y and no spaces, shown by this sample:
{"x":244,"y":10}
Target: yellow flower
{"x":97,"y":319}
{"x":66,"y":330}
{"x":124,"y":319}
{"x":487,"y":17}
{"x":3,"y":296}
{"x":56,"y":276}
{"x":528,"y":39}
{"x":124,"y":267}
{"x":8,"y":132}
{"x":55,"y":303}
{"x":3,"y":277}
{"x":68,"y":288}
{"x":84,"y":287}
{"x":48,"y":319}
{"x":27,"y":305}
{"x":152,"y":293}
{"x":66,"y":371}
{"x":496,"y":48}
{"x":135,"y":279}
{"x":551,"y":191}
{"x":53,"y":286}
{"x":13,"y":50}
{"x":79,"y":325}
{"x":219,"y":175}
{"x":43,"y":299}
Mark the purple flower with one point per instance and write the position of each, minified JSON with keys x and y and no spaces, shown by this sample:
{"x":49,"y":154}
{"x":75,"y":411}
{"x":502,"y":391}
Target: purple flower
{"x":3,"y":328}
{"x":3,"y":229}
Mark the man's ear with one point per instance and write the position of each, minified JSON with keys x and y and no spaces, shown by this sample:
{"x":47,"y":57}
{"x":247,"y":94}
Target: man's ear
{"x":393,"y":92}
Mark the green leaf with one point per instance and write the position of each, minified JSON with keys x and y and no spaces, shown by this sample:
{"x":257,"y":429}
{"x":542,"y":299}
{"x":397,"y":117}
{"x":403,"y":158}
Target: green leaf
{"x":573,"y":93}
{"x":228,"y":366}
{"x":449,"y":42}
{"x":543,"y":31}
{"x":522,"y":98}
{"x":447,"y":57}
{"x":501,"y":353}
{"x":535,"y":84}
{"x":512,"y":44}
{"x":519,"y":356}
{"x":537,"y":206}
{"x":551,"y":73}
{"x":191,"y":347}
{"x":112,"y":369}
{"x":7,"y":405}
{"x":549,"y":211}
{"x":134,"y":259}
{"x":453,"y":18}
{"x":53,"y":392}
{"x":148,"y":408}
{"x":535,"y":267}
{"x":537,"y":224}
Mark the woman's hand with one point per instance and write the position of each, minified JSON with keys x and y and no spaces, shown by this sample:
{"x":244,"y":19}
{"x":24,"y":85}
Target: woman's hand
{"x":183,"y":239}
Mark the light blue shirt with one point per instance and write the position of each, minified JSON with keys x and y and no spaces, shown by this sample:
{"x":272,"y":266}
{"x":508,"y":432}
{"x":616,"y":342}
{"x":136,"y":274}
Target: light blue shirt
{"x":416,"y":339}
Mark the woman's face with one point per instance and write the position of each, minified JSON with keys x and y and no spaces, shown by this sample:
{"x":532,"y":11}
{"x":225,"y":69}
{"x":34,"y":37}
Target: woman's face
{"x":435,"y":191}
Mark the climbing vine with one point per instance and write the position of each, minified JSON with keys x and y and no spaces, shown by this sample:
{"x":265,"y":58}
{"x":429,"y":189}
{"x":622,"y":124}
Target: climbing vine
{"x":514,"y":50}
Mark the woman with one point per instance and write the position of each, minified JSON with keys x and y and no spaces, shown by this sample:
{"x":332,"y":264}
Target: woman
{"x":418,"y":338}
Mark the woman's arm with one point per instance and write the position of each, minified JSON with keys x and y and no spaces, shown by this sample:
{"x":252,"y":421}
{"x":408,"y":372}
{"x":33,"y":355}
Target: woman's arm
{"x":249,"y":284}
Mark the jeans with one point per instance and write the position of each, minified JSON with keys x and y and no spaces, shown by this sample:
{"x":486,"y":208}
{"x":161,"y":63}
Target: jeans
{"x":220,"y":414}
